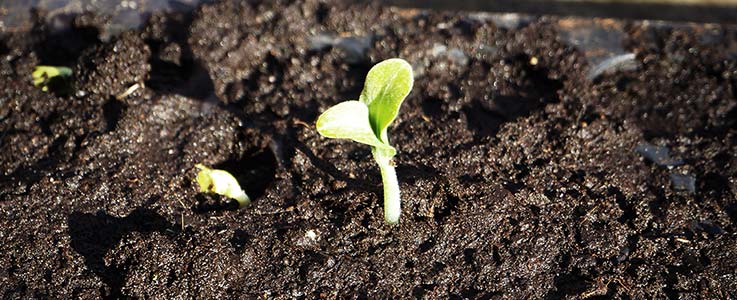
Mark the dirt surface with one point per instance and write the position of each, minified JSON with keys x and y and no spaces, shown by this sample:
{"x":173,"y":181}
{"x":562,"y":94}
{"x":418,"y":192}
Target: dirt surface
{"x":523,"y":177}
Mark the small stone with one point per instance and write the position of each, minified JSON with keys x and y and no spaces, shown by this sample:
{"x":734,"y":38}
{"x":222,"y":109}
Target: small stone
{"x":683,"y":182}
{"x":454,"y":55}
{"x":660,"y":155}
{"x":355,"y":48}
{"x":321,"y":42}
{"x":457,"y":56}
{"x":438,"y":49}
{"x":624,"y":62}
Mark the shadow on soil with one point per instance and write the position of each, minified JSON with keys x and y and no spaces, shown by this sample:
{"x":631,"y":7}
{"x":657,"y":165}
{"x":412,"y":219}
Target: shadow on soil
{"x":331,"y":170}
{"x":93,"y":235}
{"x":535,"y":90}
{"x":60,"y":47}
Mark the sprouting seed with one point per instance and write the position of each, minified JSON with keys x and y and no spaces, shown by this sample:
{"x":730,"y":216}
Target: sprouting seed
{"x":366,"y":121}
{"x":222,"y":183}
{"x":42,"y":75}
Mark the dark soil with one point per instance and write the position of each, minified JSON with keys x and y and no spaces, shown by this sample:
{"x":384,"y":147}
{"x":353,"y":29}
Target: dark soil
{"x":520,"y":175}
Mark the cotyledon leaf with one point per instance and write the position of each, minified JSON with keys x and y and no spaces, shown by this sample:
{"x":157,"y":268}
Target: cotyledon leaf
{"x":387,"y":84}
{"x":221,"y":182}
{"x":350,"y":120}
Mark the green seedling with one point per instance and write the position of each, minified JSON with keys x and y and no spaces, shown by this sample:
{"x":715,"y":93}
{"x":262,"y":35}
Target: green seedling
{"x":222,"y":183}
{"x":366,"y":121}
{"x":43,"y":75}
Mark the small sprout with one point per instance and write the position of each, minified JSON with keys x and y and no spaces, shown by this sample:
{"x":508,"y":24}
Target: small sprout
{"x":129,"y":90}
{"x":366,"y":121}
{"x":43,"y":75}
{"x":222,"y":183}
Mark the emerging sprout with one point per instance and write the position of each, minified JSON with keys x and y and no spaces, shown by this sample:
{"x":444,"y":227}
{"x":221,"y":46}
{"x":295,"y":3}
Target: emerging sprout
{"x":366,"y":121}
{"x":222,"y":183}
{"x":42,"y":75}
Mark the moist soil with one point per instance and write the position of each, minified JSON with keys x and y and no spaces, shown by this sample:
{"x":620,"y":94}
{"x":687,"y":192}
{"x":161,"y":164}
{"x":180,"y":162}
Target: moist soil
{"x":520,"y":173}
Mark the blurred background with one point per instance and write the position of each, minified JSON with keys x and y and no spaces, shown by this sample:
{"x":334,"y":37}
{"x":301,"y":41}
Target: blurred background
{"x":595,"y":27}
{"x":16,"y":15}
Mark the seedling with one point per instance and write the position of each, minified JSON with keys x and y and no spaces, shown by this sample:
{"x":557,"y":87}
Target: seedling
{"x":43,"y":75}
{"x":366,"y":121}
{"x":222,"y":183}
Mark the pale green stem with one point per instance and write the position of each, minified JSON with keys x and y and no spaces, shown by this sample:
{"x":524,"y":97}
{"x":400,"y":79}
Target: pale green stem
{"x":392,"y":200}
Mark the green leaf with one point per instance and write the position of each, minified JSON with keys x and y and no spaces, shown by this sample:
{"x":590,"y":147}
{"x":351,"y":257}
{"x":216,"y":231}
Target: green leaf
{"x":387,"y":84}
{"x":350,"y":120}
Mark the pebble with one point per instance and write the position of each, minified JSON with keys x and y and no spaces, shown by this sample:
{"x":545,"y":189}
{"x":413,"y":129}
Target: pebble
{"x":454,"y":55}
{"x":623,"y":62}
{"x":660,"y":155}
{"x":354,"y":48}
{"x":683,"y":182}
{"x":503,"y":20}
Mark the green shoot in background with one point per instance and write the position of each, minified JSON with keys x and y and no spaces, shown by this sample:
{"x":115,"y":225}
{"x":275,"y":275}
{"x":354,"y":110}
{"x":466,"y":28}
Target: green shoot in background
{"x":366,"y":121}
{"x":43,"y":75}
